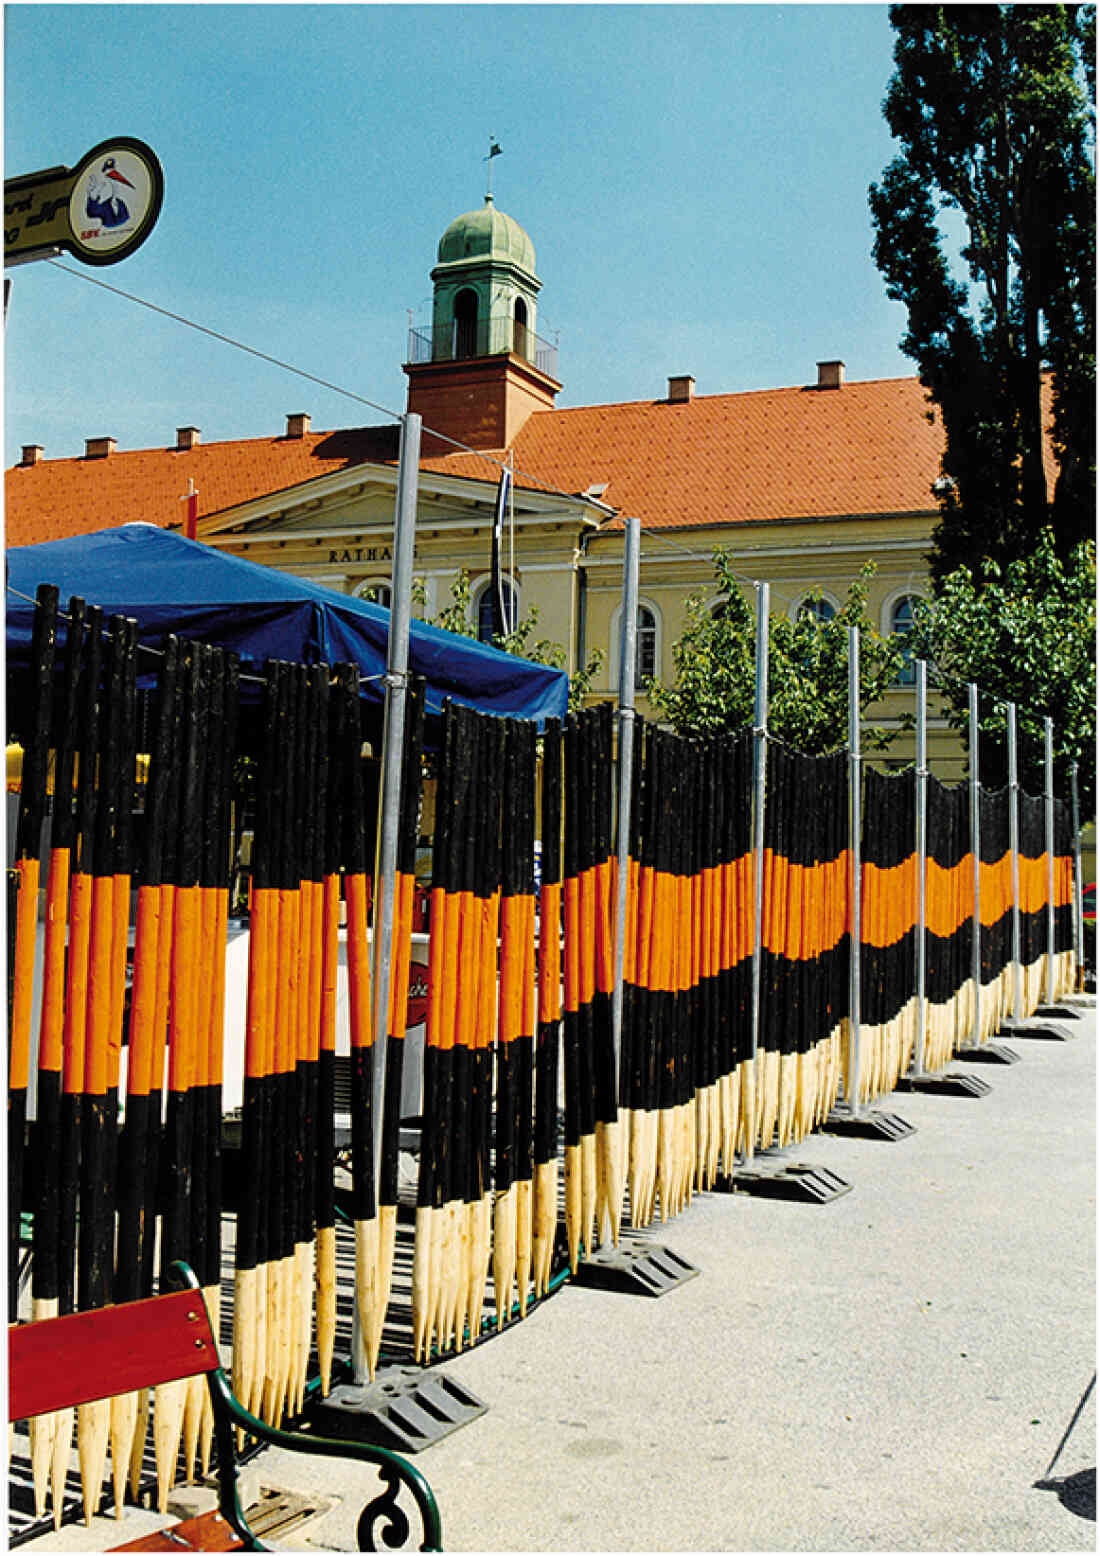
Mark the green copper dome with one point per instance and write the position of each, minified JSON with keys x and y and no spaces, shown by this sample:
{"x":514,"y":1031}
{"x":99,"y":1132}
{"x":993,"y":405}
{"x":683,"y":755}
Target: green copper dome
{"x":488,"y":234}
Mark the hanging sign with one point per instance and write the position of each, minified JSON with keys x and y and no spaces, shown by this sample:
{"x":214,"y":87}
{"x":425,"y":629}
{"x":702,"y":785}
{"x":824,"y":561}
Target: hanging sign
{"x":100,"y":211}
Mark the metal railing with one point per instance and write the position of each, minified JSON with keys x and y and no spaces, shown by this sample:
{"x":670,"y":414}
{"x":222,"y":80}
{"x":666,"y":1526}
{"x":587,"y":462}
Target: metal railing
{"x":459,"y":340}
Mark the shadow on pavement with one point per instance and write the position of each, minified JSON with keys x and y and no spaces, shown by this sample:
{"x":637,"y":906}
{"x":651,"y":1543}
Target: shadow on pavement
{"x":1077,"y":1493}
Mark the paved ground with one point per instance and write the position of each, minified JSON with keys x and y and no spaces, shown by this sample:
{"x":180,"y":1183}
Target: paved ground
{"x":894,"y":1370}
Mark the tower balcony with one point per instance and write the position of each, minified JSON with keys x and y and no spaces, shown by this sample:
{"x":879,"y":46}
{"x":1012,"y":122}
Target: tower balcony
{"x":463,"y":340}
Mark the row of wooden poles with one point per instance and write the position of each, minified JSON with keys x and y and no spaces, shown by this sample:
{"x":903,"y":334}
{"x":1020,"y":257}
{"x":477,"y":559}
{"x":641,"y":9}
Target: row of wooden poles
{"x":735,"y":1034}
{"x":959,"y":1008}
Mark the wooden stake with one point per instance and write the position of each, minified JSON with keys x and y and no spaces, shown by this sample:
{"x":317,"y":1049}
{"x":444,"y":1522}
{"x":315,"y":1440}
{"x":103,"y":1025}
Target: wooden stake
{"x":46,"y":1152}
{"x":23,"y":913}
{"x":545,"y":1144}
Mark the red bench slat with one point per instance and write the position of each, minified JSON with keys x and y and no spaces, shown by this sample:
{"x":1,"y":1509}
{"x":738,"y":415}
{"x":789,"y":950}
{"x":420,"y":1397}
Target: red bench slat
{"x":85,"y":1356}
{"x":209,"y":1532}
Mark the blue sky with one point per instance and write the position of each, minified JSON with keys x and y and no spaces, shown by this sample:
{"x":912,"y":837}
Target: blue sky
{"x":694,"y":179}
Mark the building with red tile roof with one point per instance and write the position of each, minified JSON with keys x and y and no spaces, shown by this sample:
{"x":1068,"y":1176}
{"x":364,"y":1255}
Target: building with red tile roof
{"x":864,"y":449}
{"x":804,"y":484}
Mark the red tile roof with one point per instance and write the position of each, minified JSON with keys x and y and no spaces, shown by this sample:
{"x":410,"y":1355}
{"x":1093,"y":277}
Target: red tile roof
{"x":864,"y":449}
{"x":60,"y":497}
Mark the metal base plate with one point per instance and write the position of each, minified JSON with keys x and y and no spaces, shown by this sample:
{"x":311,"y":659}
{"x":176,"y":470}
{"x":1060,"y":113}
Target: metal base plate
{"x":873,"y":1124}
{"x":988,"y":1053}
{"x":791,"y":1180}
{"x":1051,"y":1031}
{"x":945,"y":1085}
{"x":635,"y":1268}
{"x":405,"y":1409}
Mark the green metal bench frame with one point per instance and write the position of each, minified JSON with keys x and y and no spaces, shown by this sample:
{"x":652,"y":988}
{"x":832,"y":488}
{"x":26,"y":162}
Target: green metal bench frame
{"x":194,"y":1351}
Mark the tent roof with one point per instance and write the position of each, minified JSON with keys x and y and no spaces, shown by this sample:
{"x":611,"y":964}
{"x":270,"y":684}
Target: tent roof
{"x":169,"y":584}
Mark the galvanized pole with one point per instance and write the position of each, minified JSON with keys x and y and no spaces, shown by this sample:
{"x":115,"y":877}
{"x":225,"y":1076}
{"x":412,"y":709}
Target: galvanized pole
{"x":759,"y":773}
{"x":389,"y":798}
{"x":1048,"y":797}
{"x":1078,"y":901}
{"x":1014,"y":845}
{"x":976,"y":852}
{"x":855,"y":874}
{"x":922,"y":863}
{"x":628,"y":647}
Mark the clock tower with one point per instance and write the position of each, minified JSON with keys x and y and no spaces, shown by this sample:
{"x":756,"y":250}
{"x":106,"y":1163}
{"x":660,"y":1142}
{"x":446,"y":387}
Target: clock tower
{"x":479,"y":370}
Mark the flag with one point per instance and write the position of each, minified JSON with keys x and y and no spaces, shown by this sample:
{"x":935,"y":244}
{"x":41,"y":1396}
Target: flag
{"x":502,"y":623}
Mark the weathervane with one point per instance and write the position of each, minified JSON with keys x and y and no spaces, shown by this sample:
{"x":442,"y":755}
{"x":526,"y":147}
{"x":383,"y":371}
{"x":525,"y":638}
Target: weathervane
{"x":494,"y":151}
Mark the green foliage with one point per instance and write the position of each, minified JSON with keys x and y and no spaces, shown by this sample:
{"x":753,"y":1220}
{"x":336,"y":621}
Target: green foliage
{"x":807,"y":675}
{"x":455,"y":617}
{"x":1025,"y":634}
{"x":992,"y":107}
{"x":581,"y":681}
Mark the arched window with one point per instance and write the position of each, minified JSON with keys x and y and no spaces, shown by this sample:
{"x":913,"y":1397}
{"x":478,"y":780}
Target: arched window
{"x":819,"y":606}
{"x":645,"y":661}
{"x":901,"y":623}
{"x":486,"y":626}
{"x":647,"y":645}
{"x":519,"y":333}
{"x":466,"y":324}
{"x":375,"y":591}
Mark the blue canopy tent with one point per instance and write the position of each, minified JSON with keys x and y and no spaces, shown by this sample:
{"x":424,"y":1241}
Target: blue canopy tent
{"x":169,"y":584}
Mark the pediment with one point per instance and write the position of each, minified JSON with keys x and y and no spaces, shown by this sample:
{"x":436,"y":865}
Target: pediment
{"x":362,"y":498}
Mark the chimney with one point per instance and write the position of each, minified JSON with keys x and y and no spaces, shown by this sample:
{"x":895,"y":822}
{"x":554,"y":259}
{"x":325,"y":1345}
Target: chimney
{"x":830,"y":375}
{"x":187,"y":437}
{"x":297,"y":425}
{"x":681,"y":389}
{"x":98,"y":448}
{"x":32,"y":454}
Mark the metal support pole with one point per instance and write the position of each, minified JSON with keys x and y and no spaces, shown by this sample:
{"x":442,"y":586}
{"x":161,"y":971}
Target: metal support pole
{"x":389,"y":798}
{"x":1078,"y":901}
{"x":921,"y":848}
{"x":976,"y":854}
{"x":1048,"y":806}
{"x":628,"y":641}
{"x":759,"y":775}
{"x":1014,"y":845}
{"x":855,"y":873}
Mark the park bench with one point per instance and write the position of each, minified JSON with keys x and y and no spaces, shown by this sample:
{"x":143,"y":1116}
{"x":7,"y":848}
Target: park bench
{"x":73,"y":1360}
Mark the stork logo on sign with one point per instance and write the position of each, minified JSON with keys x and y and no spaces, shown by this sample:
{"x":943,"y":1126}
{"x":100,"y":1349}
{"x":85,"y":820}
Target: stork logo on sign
{"x":105,"y":203}
{"x":101,"y":210}
{"x":115,"y":199}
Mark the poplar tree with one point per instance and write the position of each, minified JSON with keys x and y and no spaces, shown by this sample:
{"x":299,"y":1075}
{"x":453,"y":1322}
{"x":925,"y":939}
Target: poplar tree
{"x":992,"y":107}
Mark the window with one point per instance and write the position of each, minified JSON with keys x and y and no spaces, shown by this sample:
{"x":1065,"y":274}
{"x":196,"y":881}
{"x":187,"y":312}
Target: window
{"x":466,"y":324}
{"x":819,"y":606}
{"x":378,"y":593}
{"x":645,"y":663}
{"x":485,"y":624}
{"x":901,"y":622}
{"x":647,"y":645}
{"x":519,"y":333}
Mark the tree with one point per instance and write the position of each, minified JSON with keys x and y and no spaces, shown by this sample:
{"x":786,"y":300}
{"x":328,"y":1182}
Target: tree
{"x":992,"y":106}
{"x":808,"y":667}
{"x":455,"y":617}
{"x":1024,"y":635}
